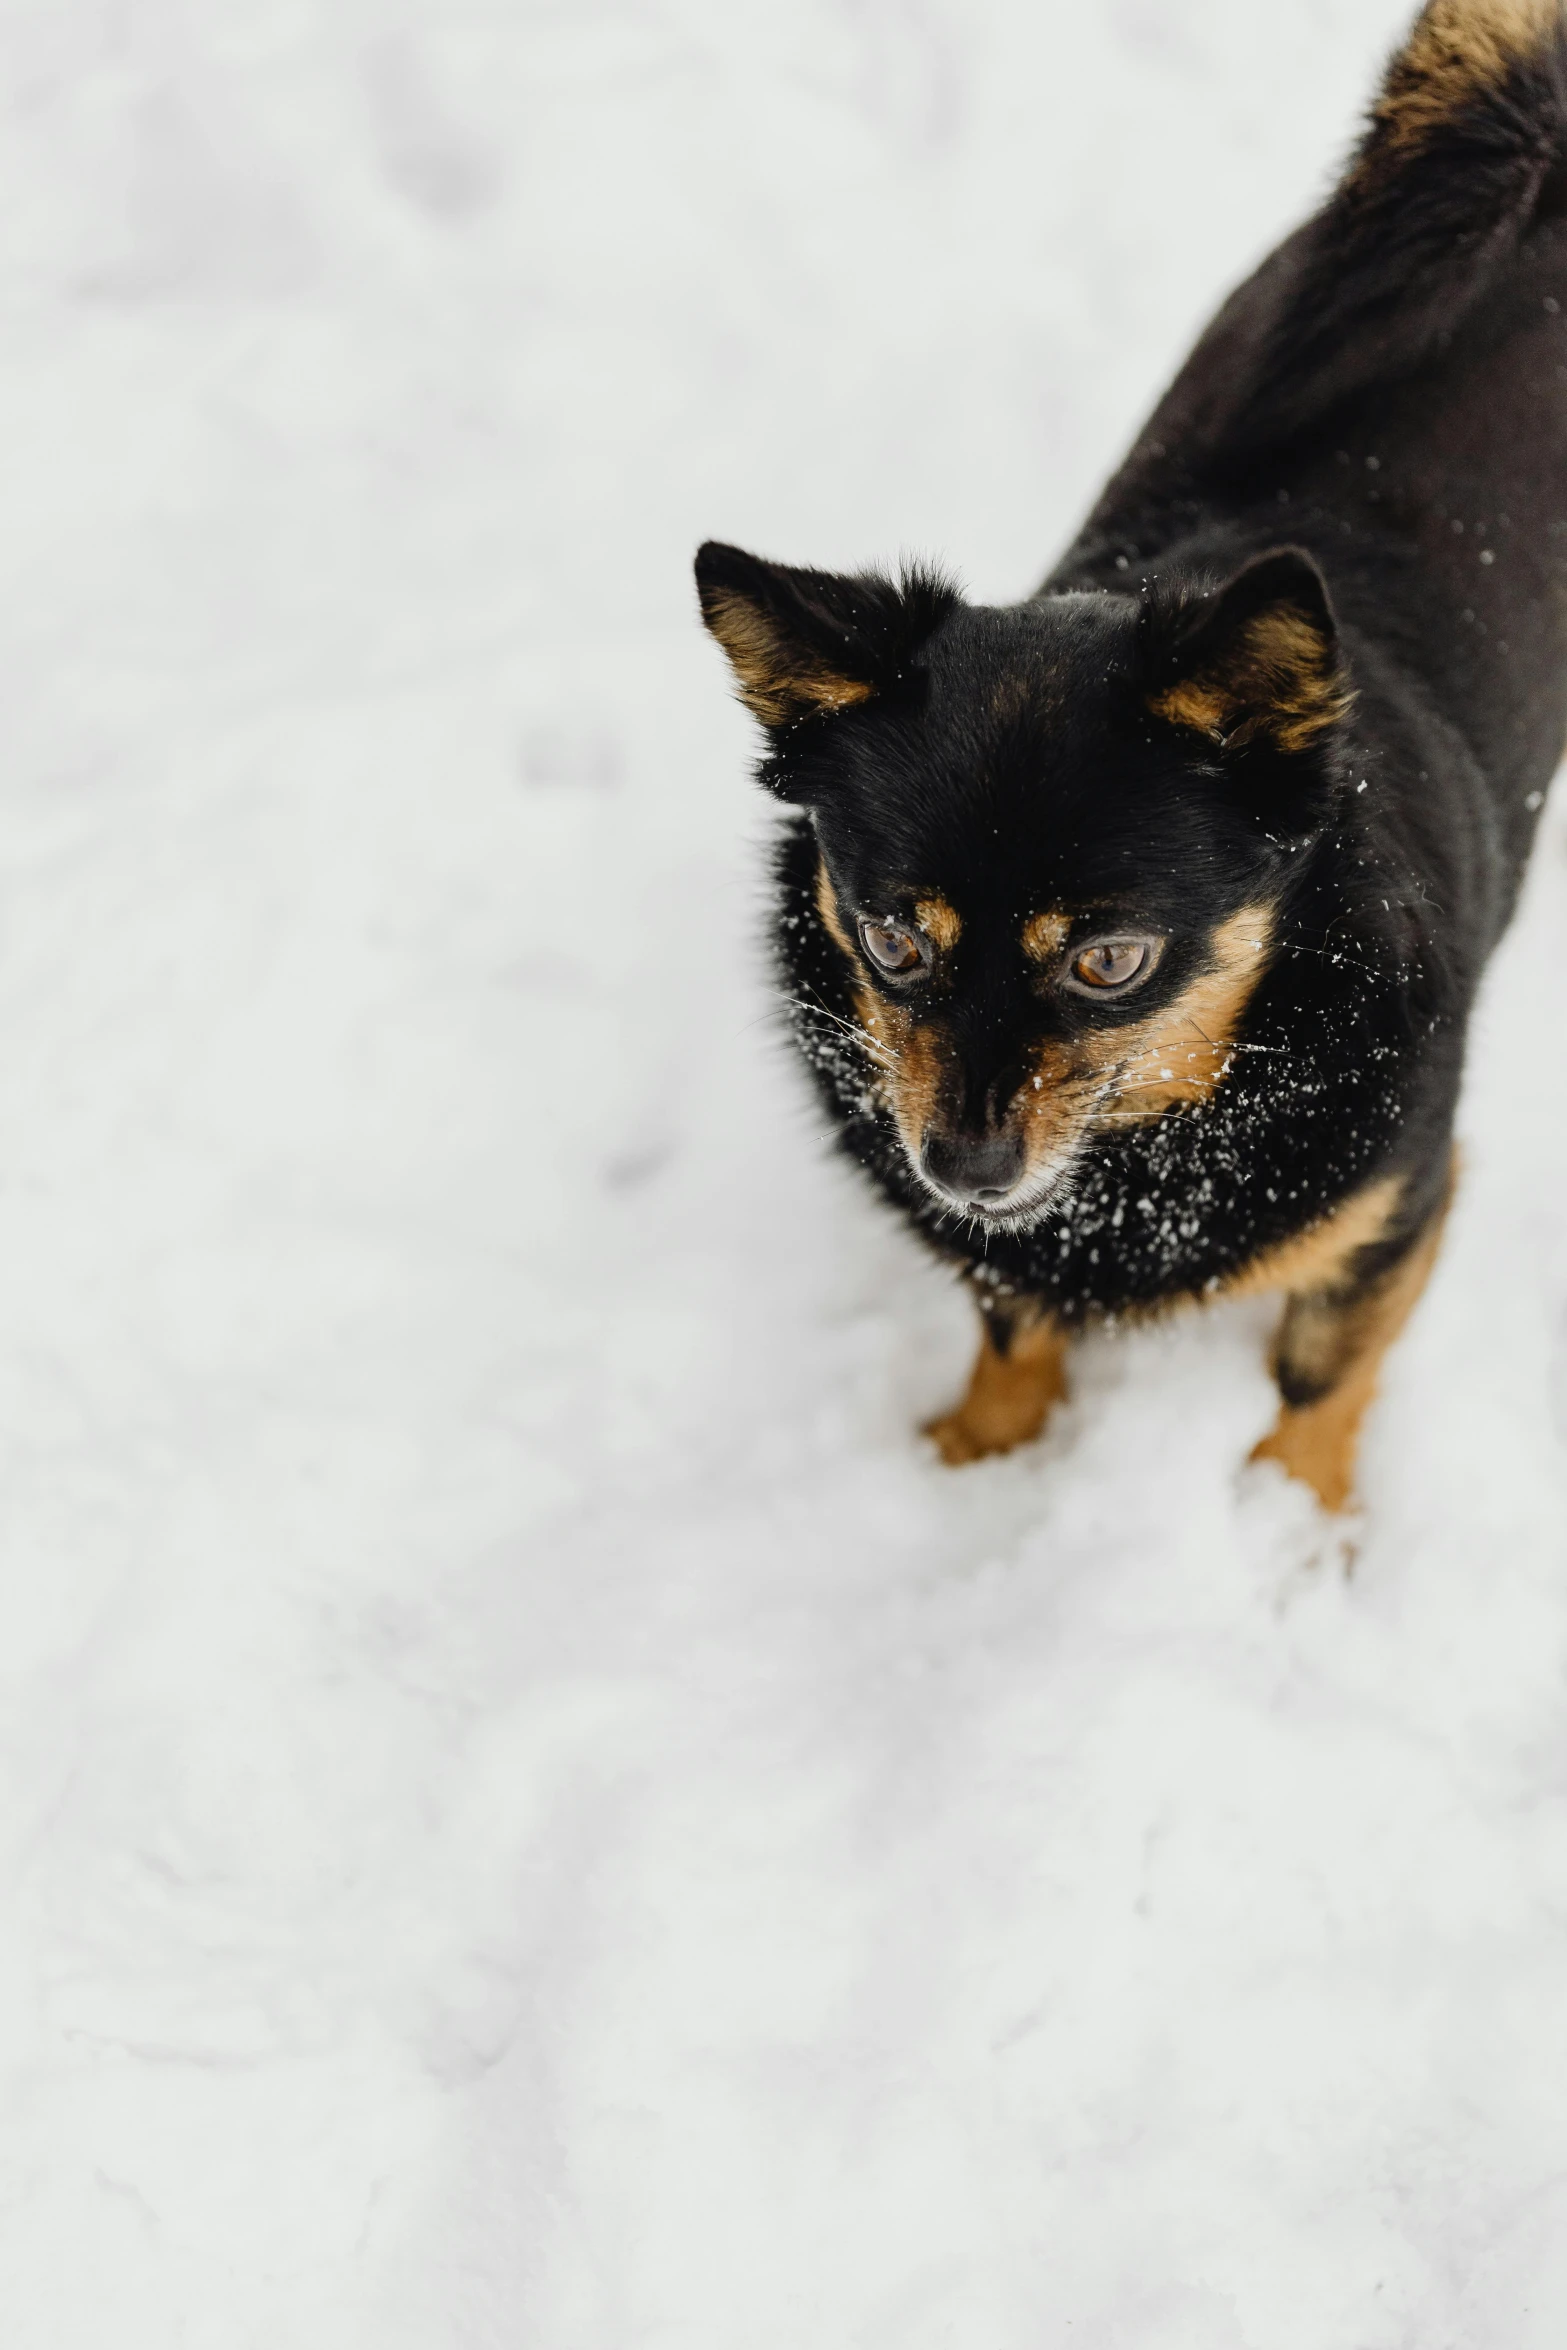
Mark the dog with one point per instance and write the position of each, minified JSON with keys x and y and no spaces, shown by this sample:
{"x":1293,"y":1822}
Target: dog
{"x":1131,"y":932}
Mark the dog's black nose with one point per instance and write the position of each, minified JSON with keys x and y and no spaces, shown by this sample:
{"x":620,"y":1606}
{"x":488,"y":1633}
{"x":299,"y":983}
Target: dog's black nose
{"x":980,"y":1168}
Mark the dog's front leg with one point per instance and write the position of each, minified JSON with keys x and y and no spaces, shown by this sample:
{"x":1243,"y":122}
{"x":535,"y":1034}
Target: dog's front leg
{"x":1018,"y":1379}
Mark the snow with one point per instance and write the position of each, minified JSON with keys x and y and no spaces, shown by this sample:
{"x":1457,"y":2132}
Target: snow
{"x":533,"y":1812}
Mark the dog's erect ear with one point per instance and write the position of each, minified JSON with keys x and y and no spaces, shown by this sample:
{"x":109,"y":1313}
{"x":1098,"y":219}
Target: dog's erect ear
{"x":804,"y":644}
{"x":1255,"y":662}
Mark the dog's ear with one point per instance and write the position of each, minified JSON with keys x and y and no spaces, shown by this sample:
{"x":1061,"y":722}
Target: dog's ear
{"x":806,"y":644}
{"x":1255,"y":662}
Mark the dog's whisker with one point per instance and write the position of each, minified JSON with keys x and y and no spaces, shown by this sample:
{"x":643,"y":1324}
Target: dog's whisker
{"x":860,"y":1033}
{"x":873,"y":1046}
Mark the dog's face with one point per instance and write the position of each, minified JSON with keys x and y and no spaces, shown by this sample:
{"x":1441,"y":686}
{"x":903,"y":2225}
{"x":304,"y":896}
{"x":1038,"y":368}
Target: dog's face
{"x":1052,"y":839}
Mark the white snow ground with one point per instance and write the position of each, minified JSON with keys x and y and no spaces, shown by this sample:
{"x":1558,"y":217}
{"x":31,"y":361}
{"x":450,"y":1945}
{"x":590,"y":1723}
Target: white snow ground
{"x":535,"y":1816}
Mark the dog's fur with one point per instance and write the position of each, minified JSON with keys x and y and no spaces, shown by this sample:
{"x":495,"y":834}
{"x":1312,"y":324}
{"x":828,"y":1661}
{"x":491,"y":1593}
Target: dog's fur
{"x":1281,"y":720}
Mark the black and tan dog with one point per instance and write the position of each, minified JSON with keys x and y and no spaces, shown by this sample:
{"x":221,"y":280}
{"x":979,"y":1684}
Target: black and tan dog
{"x":1132,"y":932}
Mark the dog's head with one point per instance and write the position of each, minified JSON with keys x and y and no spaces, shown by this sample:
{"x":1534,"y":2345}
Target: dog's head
{"x":1053,"y":838}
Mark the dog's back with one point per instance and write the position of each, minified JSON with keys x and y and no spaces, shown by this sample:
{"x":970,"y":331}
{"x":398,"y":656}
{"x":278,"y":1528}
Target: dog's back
{"x":1390,"y":391}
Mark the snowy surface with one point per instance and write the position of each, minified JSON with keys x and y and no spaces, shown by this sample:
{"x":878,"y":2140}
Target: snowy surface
{"x":535,"y":1815}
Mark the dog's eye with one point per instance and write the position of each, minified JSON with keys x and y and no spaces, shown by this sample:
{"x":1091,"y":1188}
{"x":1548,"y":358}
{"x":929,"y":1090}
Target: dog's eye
{"x":894,"y":948}
{"x":1113,"y":963}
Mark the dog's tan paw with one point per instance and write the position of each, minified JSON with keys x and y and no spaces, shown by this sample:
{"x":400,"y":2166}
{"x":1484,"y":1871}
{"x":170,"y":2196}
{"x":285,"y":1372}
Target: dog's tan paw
{"x":959,"y":1441}
{"x":1010,"y":1397}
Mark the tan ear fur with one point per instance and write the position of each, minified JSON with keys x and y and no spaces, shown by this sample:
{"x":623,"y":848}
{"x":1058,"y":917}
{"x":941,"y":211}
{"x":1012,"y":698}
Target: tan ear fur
{"x":779,"y":682}
{"x":1277,"y":679}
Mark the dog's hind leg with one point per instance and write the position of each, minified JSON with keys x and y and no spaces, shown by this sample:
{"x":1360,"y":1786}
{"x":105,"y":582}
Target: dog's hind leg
{"x":1018,"y":1379}
{"x":1327,"y":1358}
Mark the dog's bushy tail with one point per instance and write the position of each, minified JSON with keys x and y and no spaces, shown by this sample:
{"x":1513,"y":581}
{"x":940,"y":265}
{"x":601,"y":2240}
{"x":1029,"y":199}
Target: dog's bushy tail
{"x":1465,"y":151}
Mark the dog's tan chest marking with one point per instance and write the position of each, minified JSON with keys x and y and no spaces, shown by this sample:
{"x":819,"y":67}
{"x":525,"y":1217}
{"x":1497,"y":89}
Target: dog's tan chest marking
{"x":1322,"y":1257}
